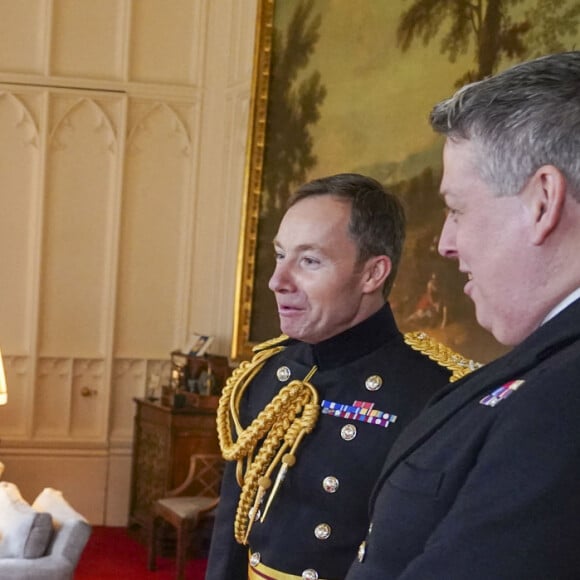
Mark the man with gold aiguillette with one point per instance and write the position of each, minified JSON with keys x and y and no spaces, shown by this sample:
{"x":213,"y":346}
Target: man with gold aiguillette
{"x":306,"y":425}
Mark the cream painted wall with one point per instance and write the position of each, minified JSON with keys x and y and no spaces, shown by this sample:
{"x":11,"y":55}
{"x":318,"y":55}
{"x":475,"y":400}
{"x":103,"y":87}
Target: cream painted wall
{"x":123,"y":128}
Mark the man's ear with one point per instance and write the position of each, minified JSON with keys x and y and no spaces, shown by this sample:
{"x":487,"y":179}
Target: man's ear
{"x":547,"y":196}
{"x":376,"y":271}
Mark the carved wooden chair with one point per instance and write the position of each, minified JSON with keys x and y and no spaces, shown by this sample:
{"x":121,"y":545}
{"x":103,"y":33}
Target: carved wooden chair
{"x":186,"y":512}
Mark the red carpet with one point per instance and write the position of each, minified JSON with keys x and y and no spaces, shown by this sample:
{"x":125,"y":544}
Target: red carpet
{"x":112,"y":554}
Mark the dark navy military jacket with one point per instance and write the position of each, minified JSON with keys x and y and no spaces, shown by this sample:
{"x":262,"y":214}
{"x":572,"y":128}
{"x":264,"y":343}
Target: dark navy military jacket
{"x":328,"y":457}
{"x":485,"y":484}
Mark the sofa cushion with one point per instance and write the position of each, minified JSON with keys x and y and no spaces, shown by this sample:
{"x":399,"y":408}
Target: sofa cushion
{"x":72,"y":529}
{"x":52,"y":501}
{"x":24,"y":533}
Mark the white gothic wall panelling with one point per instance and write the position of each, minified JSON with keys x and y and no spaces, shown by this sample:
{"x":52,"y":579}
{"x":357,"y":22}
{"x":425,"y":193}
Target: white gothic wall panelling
{"x":227,"y":93}
{"x":156,"y":228}
{"x":16,"y":421}
{"x":53,"y":398}
{"x":167,"y":41}
{"x":80,"y":475}
{"x":88,"y":39}
{"x":128,"y":381}
{"x":123,"y":129}
{"x":81,"y":196}
{"x":89,"y":400}
{"x":20,"y":143}
{"x":23,"y":40}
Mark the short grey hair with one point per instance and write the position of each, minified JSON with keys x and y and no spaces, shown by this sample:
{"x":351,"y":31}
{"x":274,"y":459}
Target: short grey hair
{"x":519,"y":120}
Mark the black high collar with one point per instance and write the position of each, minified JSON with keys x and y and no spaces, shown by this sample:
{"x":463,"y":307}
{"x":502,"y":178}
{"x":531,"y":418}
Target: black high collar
{"x":353,"y":343}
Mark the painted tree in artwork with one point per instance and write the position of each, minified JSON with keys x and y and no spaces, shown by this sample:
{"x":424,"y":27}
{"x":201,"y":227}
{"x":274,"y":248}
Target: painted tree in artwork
{"x":293,"y":107}
{"x":555,"y":27}
{"x":497,"y":29}
{"x":486,"y":22}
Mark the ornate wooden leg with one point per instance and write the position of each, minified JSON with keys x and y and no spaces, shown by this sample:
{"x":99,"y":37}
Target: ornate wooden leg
{"x":152,"y":548}
{"x":182,"y":537}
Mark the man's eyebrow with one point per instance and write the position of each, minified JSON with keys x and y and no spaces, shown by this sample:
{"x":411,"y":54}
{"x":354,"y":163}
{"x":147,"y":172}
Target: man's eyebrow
{"x":308,"y":247}
{"x":301,"y":247}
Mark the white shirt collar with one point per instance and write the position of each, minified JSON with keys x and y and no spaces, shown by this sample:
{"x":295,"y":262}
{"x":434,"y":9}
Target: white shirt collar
{"x":565,"y":303}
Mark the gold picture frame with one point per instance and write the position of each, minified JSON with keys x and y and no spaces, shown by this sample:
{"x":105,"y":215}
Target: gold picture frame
{"x":242,"y":343}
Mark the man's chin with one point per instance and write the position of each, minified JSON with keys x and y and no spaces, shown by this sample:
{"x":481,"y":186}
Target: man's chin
{"x":498,"y":331}
{"x":291,"y":331}
{"x":485,"y":324}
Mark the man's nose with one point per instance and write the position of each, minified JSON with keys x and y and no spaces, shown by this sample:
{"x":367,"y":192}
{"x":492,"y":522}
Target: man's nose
{"x":446,"y":246}
{"x":281,"y":280}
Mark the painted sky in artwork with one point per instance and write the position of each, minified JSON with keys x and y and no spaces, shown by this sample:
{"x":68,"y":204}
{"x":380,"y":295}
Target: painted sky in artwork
{"x":388,"y":94}
{"x":379,"y":98}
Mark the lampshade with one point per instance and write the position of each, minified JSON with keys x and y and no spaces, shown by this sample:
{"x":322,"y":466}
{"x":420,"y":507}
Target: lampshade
{"x":3,"y":391}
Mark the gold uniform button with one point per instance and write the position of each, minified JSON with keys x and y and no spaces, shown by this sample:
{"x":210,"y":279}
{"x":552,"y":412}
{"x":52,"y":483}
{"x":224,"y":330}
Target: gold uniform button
{"x":322,"y":531}
{"x":255,"y":559}
{"x":361,"y":551}
{"x":373,"y":383}
{"x":348,"y":432}
{"x":310,"y":574}
{"x":283,"y":374}
{"x":330,"y":484}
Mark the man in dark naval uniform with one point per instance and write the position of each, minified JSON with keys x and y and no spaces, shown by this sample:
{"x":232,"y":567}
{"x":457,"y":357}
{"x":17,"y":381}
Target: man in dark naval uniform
{"x":308,"y":422}
{"x":485,"y":484}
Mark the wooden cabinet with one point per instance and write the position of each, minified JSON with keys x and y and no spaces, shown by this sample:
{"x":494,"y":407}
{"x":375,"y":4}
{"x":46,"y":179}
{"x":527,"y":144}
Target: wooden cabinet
{"x":164,"y":439}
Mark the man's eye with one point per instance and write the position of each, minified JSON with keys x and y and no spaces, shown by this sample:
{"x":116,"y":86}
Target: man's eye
{"x":278,"y":255}
{"x":310,"y":261}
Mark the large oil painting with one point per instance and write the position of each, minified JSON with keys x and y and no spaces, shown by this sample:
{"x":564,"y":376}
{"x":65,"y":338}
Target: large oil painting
{"x":348,"y":86}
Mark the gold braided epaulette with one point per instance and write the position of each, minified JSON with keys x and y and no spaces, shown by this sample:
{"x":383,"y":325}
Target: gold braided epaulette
{"x":270,"y":343}
{"x":441,"y":354}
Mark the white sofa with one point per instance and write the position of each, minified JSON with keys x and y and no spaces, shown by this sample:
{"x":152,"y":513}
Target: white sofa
{"x":42,"y":541}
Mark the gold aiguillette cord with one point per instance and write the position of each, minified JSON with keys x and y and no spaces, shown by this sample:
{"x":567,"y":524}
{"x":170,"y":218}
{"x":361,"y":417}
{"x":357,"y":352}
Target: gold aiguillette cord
{"x":306,"y":399}
{"x":289,"y":459}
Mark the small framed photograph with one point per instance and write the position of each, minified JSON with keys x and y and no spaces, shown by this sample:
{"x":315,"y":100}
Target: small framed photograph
{"x":198,"y":344}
